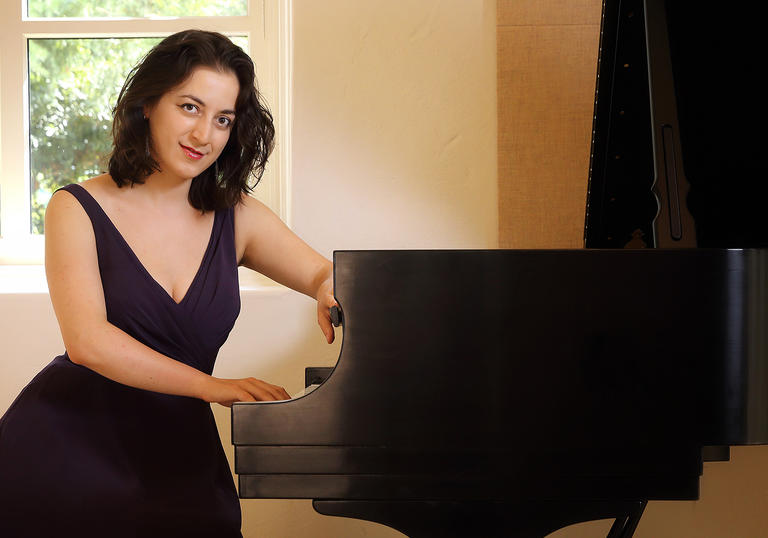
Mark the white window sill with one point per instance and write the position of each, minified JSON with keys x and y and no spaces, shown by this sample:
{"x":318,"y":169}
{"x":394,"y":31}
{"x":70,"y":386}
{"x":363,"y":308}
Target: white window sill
{"x":22,"y":279}
{"x":31,"y":279}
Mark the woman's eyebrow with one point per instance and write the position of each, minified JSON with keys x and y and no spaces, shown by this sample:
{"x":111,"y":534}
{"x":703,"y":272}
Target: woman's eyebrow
{"x":200,"y":102}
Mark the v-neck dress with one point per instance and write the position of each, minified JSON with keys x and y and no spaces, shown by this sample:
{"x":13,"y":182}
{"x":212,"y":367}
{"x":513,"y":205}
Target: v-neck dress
{"x":82,"y":455}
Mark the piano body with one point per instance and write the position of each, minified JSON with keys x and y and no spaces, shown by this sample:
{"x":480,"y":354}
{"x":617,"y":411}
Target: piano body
{"x":512,"y":393}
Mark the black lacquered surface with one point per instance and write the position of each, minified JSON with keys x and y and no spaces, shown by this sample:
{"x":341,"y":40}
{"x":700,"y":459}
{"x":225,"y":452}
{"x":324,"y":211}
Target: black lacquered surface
{"x":534,"y":389}
{"x":676,"y":157}
{"x":502,"y":374}
{"x":621,"y":205}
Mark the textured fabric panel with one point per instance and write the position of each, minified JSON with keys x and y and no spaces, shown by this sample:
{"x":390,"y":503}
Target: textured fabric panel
{"x":547,"y":65}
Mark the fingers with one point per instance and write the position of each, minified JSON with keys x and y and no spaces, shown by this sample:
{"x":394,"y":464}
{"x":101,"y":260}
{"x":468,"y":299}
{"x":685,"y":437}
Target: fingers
{"x":325,"y":300}
{"x":228,"y":391}
{"x":326,"y":326}
{"x":246,"y":396}
{"x":277,"y":392}
{"x":324,"y":317}
{"x":263,"y":391}
{"x":242,"y":396}
{"x":283,"y":394}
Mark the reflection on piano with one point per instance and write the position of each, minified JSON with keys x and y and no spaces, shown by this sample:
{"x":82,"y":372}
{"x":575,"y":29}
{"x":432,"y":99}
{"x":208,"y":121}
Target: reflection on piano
{"x":511,"y":393}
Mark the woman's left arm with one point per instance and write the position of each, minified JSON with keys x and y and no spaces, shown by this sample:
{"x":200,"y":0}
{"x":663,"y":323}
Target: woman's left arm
{"x":268,"y":246}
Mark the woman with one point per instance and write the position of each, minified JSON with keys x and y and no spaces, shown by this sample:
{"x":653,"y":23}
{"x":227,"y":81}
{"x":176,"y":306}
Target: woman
{"x":116,"y":437}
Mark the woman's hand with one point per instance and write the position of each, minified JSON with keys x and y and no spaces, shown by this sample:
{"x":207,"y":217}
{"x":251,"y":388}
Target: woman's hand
{"x":325,"y":301}
{"x":250,"y":389}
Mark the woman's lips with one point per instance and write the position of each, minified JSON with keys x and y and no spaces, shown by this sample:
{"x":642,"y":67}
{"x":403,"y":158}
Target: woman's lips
{"x":191,"y":153}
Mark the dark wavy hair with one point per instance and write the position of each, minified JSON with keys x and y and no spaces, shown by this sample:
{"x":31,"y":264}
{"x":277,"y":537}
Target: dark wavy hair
{"x":166,"y":66}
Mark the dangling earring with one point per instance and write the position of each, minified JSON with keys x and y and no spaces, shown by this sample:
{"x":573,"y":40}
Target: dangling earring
{"x":146,"y":139}
{"x":216,"y":170}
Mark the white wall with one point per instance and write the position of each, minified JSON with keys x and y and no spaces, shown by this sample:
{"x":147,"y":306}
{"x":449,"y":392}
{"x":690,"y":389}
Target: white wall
{"x":395,"y":124}
{"x":394,"y":141}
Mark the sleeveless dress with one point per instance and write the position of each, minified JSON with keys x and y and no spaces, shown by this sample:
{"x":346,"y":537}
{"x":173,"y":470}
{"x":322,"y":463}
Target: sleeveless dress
{"x":82,"y":455}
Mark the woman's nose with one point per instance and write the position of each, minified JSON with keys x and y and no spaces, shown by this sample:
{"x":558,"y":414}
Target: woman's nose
{"x":201,"y":130}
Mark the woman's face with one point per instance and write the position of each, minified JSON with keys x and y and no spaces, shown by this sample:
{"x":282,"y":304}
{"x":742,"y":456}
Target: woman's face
{"x":191,"y":123}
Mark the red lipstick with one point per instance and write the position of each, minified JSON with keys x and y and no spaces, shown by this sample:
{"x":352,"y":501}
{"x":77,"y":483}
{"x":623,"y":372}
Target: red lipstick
{"x":191,"y":153}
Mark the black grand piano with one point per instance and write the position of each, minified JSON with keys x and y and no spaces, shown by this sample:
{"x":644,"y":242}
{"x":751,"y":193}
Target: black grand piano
{"x":512,"y":392}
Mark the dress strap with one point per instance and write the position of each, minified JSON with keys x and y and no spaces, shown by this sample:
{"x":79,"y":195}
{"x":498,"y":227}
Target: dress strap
{"x":106,"y":245}
{"x":88,"y":202}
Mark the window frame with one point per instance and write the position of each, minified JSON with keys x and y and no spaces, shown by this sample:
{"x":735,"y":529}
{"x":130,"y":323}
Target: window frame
{"x":268,"y":28}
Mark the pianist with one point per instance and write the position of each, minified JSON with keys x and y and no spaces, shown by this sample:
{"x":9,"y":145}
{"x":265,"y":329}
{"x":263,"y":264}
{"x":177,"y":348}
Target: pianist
{"x":142,"y":270}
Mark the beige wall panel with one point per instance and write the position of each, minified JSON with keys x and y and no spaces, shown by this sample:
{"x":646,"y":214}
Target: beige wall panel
{"x":732,"y":502}
{"x":545,"y":97}
{"x":732,"y":505}
{"x":548,"y":12}
{"x":547,"y":54}
{"x":395,"y":111}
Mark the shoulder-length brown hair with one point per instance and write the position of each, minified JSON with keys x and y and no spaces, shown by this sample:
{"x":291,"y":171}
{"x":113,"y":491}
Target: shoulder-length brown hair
{"x":166,"y":66}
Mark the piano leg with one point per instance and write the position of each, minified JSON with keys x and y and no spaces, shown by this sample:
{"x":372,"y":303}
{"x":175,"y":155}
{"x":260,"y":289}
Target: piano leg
{"x":464,"y":519}
{"x":624,"y":526}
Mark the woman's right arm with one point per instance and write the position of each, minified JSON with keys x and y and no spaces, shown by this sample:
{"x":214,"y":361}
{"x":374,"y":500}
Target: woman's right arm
{"x":74,"y":282}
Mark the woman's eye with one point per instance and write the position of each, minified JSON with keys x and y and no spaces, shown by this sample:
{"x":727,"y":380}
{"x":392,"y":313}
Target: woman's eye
{"x":189,"y":107}
{"x":224,"y":121}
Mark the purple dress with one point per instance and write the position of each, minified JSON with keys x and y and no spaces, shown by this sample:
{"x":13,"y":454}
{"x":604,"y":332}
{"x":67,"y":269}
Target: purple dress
{"x":82,"y":455}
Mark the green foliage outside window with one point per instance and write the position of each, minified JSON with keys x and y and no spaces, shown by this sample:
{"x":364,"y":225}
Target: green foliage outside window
{"x":73,"y":86}
{"x":136,"y":8}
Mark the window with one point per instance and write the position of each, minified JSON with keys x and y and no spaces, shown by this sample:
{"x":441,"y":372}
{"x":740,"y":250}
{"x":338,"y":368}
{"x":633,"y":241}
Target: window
{"x":62,"y":63}
{"x":135,"y":8}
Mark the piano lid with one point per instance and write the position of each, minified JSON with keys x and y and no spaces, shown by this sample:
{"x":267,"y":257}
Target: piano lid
{"x":676,"y":151}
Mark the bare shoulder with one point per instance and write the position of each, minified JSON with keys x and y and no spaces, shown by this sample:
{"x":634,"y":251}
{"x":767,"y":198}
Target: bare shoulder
{"x":64,"y":210}
{"x":249,"y":205}
{"x":256,"y":227}
{"x":245,"y":218}
{"x":64,"y":201}
{"x":68,"y":230}
{"x":102,"y":188}
{"x":249,"y":212}
{"x":70,"y":242}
